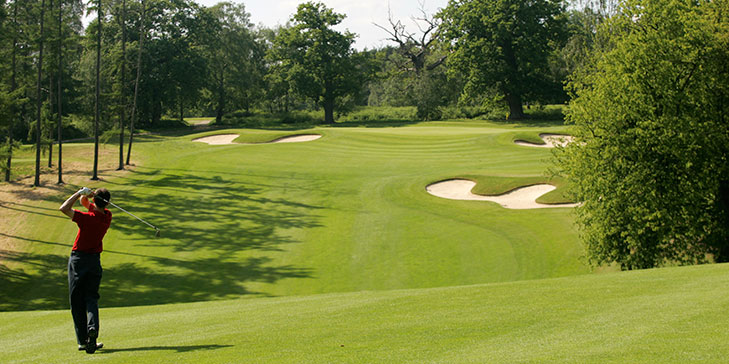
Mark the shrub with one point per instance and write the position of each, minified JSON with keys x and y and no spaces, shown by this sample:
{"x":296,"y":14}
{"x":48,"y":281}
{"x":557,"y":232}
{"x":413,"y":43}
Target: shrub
{"x":381,"y":113}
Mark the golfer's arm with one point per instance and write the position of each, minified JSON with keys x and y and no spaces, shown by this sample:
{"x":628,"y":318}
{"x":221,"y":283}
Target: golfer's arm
{"x":85,"y":202}
{"x":67,"y":206}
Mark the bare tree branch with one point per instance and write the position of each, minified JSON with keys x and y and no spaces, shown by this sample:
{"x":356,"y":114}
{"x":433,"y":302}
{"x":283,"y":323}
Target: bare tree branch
{"x":416,"y":50}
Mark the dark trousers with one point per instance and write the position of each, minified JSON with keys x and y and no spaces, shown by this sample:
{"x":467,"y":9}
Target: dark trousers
{"x":84,"y":278}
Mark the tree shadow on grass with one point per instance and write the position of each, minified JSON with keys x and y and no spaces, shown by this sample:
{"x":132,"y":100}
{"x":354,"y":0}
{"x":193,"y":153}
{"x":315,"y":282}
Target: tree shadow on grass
{"x":20,"y":207}
{"x":179,"y":349}
{"x":226,"y":225}
{"x":41,"y":281}
{"x":197,"y":212}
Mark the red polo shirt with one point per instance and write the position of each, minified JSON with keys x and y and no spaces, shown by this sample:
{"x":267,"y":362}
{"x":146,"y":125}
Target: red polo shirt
{"x":92,"y":227}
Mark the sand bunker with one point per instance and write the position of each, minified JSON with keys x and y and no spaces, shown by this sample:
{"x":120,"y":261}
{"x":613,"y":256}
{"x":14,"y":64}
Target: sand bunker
{"x":550,"y":141}
{"x":297,"y":138}
{"x":520,"y":198}
{"x":228,"y":139}
{"x":218,"y":139}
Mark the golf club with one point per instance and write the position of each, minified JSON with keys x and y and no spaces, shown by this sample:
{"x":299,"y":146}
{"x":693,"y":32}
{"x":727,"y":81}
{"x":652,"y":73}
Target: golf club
{"x":156,"y":230}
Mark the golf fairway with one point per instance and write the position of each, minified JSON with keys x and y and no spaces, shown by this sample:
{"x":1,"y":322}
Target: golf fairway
{"x":674,"y":315}
{"x":332,"y":251}
{"x":344,"y":213}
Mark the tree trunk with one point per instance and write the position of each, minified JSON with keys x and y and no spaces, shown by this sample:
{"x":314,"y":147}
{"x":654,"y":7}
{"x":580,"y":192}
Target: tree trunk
{"x":328,"y":104}
{"x":10,"y":155}
{"x":722,"y":250}
{"x":50,"y":108}
{"x":329,"y":111}
{"x":122,"y":114}
{"x":513,"y":97}
{"x":15,"y":45}
{"x":221,"y":99}
{"x":36,"y":183}
{"x":97,"y":114}
{"x":156,"y":111}
{"x":8,"y":164}
{"x":516,"y":111}
{"x":60,"y":91}
{"x":136,"y":83}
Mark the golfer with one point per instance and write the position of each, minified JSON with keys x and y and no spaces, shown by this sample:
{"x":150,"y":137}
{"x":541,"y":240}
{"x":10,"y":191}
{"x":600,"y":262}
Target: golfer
{"x":84,"y":265}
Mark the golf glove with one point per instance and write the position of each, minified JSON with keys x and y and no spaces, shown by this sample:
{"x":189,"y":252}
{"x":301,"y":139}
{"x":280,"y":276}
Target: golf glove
{"x":85,"y":191}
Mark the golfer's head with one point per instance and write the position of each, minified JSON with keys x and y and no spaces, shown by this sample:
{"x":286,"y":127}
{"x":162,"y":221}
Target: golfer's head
{"x":101,"y":196}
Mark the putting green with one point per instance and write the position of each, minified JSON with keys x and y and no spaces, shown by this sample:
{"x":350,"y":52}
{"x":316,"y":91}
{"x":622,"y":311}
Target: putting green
{"x":348,"y":212}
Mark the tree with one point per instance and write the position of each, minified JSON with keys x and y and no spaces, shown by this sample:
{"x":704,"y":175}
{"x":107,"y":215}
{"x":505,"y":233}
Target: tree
{"x":140,"y":47}
{"x":418,"y":67}
{"x":13,"y":85}
{"x":651,"y":115}
{"x":173,"y":62}
{"x":316,"y":59}
{"x":60,"y":92}
{"x":122,"y":81}
{"x":278,"y":90}
{"x":97,"y":89}
{"x":232,"y":55}
{"x":8,"y":106}
{"x":505,"y":45}
{"x":39,"y":100}
{"x":416,"y":49}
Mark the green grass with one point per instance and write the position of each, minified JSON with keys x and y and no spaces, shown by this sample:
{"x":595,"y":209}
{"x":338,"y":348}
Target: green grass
{"x":198,"y":121}
{"x":673,"y":315}
{"x":345,"y":213}
{"x":497,"y":185}
{"x":332,"y":251}
{"x":532,"y":137}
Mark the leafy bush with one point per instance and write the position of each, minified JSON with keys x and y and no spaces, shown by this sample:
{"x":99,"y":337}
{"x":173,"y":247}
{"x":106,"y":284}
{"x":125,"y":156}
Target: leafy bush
{"x":164,"y":124}
{"x":380,"y":113}
{"x":546,"y":112}
{"x":262,"y":120}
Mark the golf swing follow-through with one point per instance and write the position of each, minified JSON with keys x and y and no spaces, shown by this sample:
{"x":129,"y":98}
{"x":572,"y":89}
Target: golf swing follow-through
{"x":156,"y":230}
{"x":84,"y":264}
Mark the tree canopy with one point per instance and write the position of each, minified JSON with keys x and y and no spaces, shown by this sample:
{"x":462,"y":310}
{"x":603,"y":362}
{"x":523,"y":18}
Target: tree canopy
{"x":316,"y":59}
{"x":651,"y":117}
{"x":505,"y":45}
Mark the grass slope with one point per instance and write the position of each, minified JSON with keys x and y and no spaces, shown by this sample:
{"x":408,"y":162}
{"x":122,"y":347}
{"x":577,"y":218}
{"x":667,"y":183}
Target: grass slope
{"x":672,"y":315}
{"x":345,"y":213}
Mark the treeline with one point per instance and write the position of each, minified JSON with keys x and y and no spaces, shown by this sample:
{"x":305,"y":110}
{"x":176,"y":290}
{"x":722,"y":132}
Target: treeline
{"x":146,"y":63}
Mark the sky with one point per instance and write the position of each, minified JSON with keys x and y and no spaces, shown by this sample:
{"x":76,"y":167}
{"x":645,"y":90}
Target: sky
{"x":360,"y":14}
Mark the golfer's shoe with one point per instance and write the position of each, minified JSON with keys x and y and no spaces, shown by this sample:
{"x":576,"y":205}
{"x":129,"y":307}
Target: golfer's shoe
{"x":83,"y":347}
{"x":91,"y":341}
